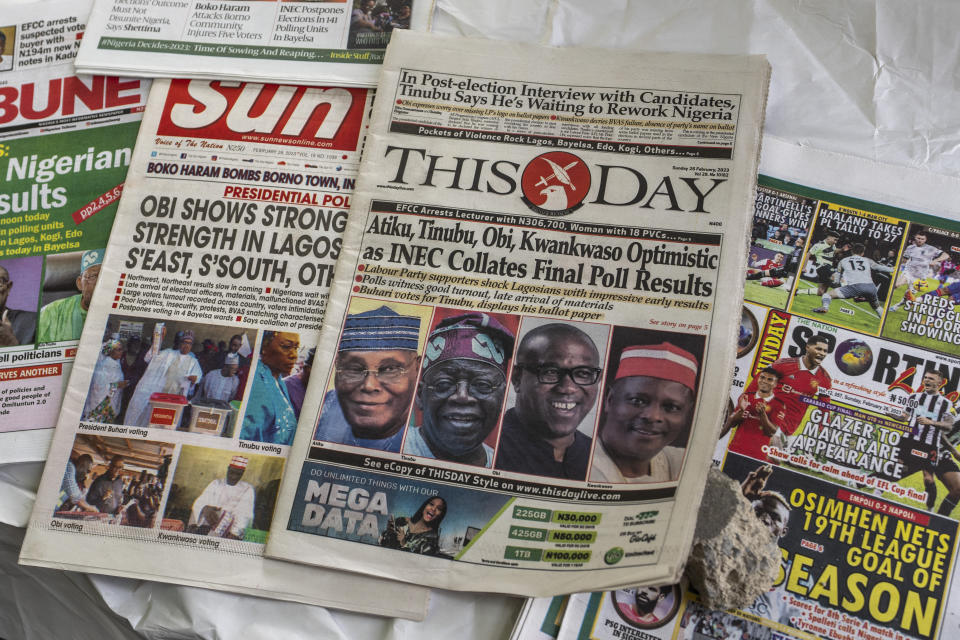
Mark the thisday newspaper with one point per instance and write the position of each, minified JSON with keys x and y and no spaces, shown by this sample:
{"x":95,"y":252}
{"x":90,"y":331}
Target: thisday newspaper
{"x":335,"y":42}
{"x":841,"y":471}
{"x":165,"y":466}
{"x":531,"y":291}
{"x":65,"y":145}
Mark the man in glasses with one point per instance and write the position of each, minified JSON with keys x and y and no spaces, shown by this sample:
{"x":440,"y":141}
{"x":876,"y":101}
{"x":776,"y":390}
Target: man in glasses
{"x":555,"y":377}
{"x":461,"y":391}
{"x":63,"y":319}
{"x":376,"y":374}
{"x":270,"y":416}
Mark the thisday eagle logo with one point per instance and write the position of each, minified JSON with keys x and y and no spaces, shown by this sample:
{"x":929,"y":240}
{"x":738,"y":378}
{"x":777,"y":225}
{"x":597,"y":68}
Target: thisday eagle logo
{"x":555,"y":183}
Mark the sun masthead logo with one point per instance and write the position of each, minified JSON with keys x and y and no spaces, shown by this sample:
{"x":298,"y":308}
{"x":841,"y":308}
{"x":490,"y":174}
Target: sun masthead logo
{"x":555,"y":183}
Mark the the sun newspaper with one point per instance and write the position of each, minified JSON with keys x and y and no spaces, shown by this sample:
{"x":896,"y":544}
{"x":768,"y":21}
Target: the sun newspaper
{"x":296,"y":41}
{"x":867,"y":533}
{"x":215,"y":282}
{"x":531,"y":319}
{"x":65,"y":143}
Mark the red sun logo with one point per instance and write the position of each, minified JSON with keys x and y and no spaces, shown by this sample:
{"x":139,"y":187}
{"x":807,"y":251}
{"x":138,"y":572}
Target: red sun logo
{"x":555,"y":183}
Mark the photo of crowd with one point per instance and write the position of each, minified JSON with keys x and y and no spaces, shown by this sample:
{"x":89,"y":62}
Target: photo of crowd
{"x":372,"y":21}
{"x":169,"y":374}
{"x":114,"y":480}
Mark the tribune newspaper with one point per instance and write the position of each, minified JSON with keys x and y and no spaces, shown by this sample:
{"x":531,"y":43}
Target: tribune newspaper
{"x":65,"y":145}
{"x":198,"y":348}
{"x":531,"y":320}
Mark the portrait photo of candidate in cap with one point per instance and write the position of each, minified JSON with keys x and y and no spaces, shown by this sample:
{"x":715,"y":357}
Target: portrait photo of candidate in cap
{"x":64,"y":310}
{"x":552,"y":403}
{"x":648,"y":406}
{"x":375,"y":375}
{"x":466,"y":361}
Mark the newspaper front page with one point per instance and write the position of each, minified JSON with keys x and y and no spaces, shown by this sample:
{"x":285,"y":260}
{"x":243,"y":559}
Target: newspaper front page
{"x":338,"y":42}
{"x":194,"y":362}
{"x":65,"y":144}
{"x":867,"y":535}
{"x":843,"y":411}
{"x":522,"y":322}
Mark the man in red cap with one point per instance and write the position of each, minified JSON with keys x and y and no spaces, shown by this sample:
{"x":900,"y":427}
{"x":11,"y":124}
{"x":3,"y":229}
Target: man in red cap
{"x":461,"y":391}
{"x":648,"y":405}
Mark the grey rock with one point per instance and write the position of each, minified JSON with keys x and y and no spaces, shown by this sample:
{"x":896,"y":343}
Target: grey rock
{"x":735,"y":557}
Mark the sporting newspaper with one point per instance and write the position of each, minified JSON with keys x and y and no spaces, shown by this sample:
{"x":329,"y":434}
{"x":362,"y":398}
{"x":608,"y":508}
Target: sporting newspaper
{"x":300,"y":41}
{"x":194,"y":361}
{"x":840,"y":471}
{"x":844,"y":400}
{"x":530,"y":296}
{"x":65,"y":144}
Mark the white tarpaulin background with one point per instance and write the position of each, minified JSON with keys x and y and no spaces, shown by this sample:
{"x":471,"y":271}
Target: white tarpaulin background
{"x":876,"y":79}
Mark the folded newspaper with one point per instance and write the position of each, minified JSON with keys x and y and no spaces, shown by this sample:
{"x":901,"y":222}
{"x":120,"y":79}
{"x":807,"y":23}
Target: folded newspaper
{"x":166,"y":467}
{"x":540,"y":268}
{"x":337,"y":42}
{"x":65,"y":144}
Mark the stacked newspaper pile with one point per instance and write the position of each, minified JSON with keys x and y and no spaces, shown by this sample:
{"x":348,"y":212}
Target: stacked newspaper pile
{"x":496,"y":355}
{"x":527,"y":255}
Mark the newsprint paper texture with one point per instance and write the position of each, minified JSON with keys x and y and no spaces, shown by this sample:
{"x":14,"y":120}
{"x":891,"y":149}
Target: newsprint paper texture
{"x":217,"y":275}
{"x":542,"y":235}
{"x":867,"y":535}
{"x":338,"y":42}
{"x":65,"y":144}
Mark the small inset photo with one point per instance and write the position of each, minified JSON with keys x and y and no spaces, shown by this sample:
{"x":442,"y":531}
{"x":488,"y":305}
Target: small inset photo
{"x":279,"y":384}
{"x":114,"y":480}
{"x":69,"y":280}
{"x":8,"y":44}
{"x":169,"y":375}
{"x":223,"y":494}
{"x":646,"y":607}
{"x":19,"y":295}
{"x":372,"y":22}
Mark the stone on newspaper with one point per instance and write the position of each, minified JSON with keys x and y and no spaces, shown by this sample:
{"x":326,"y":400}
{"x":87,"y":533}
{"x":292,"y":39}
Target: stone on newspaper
{"x":735,"y":557}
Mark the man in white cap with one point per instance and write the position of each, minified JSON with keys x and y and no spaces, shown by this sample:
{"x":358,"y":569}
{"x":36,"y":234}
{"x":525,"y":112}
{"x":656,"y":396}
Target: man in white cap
{"x":222,"y":384}
{"x":63,"y":319}
{"x":225,"y":508}
{"x":649,"y":404}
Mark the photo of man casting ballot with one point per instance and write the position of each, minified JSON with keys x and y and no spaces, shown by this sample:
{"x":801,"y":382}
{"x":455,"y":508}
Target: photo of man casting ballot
{"x":647,"y":407}
{"x":419,"y":533}
{"x":376,"y":374}
{"x":556,"y":377}
{"x":461,"y":391}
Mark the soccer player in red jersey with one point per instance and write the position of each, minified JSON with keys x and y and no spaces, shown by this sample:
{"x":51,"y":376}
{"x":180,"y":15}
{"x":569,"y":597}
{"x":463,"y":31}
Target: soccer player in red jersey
{"x":757,"y":418}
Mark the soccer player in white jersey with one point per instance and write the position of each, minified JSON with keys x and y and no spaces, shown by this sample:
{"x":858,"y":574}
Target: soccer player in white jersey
{"x":929,"y":414}
{"x":856,"y":274}
{"x":920,"y":259}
